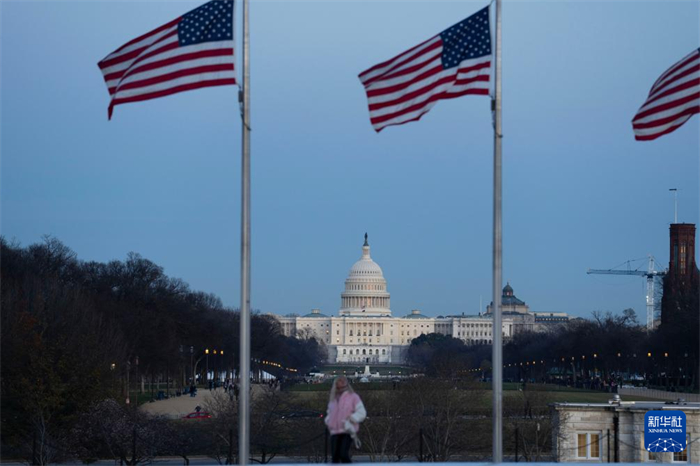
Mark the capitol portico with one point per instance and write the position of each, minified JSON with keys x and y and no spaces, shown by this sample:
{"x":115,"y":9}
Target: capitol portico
{"x":365,"y":330}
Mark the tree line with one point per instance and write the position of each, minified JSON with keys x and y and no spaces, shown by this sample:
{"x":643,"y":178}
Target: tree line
{"x":73,"y":329}
{"x":607,"y":349}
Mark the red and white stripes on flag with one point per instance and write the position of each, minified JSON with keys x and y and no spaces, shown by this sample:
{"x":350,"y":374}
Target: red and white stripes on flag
{"x":673,"y":99}
{"x":454,"y":63}
{"x":190,"y":52}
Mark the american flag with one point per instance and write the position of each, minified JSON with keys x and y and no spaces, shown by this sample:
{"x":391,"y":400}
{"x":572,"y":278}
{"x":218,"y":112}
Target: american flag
{"x":190,"y":52}
{"x":455,"y":62}
{"x":673,"y":99}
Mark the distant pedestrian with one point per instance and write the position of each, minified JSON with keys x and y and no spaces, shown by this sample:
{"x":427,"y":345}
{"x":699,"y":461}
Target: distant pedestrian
{"x":193,"y":390}
{"x":345,"y":413}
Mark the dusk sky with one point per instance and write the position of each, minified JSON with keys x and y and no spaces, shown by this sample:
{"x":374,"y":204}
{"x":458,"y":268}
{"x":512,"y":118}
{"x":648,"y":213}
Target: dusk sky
{"x":163,"y":177}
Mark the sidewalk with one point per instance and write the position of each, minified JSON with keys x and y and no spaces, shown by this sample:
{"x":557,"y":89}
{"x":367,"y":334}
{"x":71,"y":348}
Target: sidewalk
{"x":178,"y":406}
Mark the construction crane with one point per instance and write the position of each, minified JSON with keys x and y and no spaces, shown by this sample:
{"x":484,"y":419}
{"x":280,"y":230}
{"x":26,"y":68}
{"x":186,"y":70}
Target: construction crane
{"x":651,"y":275}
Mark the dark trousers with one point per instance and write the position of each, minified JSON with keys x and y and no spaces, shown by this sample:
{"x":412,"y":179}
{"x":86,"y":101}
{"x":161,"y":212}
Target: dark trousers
{"x":340,"y":448}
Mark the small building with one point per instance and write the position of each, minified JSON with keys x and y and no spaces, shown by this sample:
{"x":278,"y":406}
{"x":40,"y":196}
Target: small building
{"x":614,"y":432}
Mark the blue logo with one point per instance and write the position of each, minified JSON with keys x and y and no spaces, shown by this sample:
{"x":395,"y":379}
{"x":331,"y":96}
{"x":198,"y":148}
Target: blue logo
{"x":664,"y":431}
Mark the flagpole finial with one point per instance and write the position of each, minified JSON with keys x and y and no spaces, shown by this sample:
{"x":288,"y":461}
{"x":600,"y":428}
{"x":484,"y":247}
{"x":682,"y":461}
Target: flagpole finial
{"x":366,"y":243}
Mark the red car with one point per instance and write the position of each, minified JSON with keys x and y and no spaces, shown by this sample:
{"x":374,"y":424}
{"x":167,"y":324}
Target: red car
{"x":198,"y":415}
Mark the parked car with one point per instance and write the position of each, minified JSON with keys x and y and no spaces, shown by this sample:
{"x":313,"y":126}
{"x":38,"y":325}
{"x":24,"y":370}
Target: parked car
{"x":197,"y":415}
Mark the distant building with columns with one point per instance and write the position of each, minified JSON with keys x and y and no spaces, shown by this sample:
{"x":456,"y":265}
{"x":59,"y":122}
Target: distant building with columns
{"x":365,"y":331}
{"x":523,"y":319}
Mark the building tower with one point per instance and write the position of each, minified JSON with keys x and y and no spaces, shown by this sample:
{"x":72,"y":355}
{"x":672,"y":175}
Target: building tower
{"x":679,"y":304}
{"x":509,"y":302}
{"x":365,"y":292}
{"x":682,"y":270}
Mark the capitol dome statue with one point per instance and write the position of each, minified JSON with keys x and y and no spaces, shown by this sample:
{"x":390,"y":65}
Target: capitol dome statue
{"x":365,"y":292}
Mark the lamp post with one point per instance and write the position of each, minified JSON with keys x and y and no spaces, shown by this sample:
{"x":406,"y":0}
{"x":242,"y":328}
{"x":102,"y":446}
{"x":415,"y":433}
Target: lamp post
{"x":138,"y":382}
{"x":206,"y":383}
{"x":128,"y":370}
{"x":192,"y":363}
{"x":221,"y":364}
{"x":595,"y":365}
{"x":182,"y":370}
{"x":216,"y":374}
{"x":113,"y":367}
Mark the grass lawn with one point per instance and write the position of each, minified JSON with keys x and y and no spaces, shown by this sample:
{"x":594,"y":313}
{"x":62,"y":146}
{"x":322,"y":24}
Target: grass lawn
{"x":543,"y":393}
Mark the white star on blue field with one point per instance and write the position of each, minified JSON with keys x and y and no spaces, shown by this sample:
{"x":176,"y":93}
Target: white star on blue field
{"x":470,"y":38}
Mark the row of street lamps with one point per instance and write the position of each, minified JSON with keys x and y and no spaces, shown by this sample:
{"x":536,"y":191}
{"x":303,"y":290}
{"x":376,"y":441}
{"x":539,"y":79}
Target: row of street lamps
{"x":276,"y":364}
{"x":214,"y":352}
{"x":583,"y":358}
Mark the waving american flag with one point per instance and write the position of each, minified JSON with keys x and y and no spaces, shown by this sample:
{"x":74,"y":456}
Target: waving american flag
{"x":455,"y":62}
{"x":190,"y":52}
{"x":672,"y":100}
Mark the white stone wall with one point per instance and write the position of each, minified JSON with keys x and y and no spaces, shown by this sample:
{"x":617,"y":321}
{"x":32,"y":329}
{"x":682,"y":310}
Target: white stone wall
{"x":319,"y":327}
{"x":363,"y":354}
{"x":572,"y":419}
{"x":478,"y":331}
{"x":389,"y":332}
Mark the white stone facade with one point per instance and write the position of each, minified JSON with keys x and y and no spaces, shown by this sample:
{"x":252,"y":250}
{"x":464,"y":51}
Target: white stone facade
{"x":365,"y":330}
{"x":589,"y":432}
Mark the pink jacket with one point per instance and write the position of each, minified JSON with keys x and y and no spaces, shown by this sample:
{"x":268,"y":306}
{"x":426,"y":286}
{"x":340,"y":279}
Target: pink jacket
{"x":345,"y":414}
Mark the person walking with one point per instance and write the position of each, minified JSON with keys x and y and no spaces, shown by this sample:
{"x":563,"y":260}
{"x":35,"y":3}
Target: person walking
{"x":345,"y":413}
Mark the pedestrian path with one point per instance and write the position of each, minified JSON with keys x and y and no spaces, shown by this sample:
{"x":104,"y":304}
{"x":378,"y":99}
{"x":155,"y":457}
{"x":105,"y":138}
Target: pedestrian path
{"x":178,"y":406}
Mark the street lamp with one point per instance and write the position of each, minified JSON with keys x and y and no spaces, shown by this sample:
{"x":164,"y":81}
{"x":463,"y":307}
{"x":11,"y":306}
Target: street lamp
{"x":136,"y":360}
{"x":128,"y":369}
{"x":222,"y":365}
{"x":206,"y":383}
{"x":192,"y":363}
{"x":595,"y":366}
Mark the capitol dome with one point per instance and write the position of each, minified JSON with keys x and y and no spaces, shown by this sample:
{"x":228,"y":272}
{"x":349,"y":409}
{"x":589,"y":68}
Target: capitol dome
{"x":365,"y":288}
{"x":365,"y":267}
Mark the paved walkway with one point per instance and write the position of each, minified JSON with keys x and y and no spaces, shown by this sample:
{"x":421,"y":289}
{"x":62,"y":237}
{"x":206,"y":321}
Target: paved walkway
{"x":178,"y":406}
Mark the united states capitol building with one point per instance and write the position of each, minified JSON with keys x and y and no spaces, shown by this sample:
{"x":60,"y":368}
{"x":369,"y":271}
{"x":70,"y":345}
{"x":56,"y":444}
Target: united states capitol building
{"x":365,"y":331}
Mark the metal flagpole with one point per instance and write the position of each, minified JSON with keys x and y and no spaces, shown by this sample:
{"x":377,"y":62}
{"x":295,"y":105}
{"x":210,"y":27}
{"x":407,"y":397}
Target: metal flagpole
{"x":497,"y":348}
{"x":244,"y":373}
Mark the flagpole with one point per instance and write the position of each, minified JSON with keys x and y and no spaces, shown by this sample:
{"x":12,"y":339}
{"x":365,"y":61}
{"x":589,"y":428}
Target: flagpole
{"x":497,"y":347}
{"x":244,"y":373}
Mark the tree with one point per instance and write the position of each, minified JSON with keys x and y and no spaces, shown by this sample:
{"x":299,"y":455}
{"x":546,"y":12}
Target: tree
{"x":439,"y":355}
{"x":126,"y":435}
{"x":70,"y":329}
